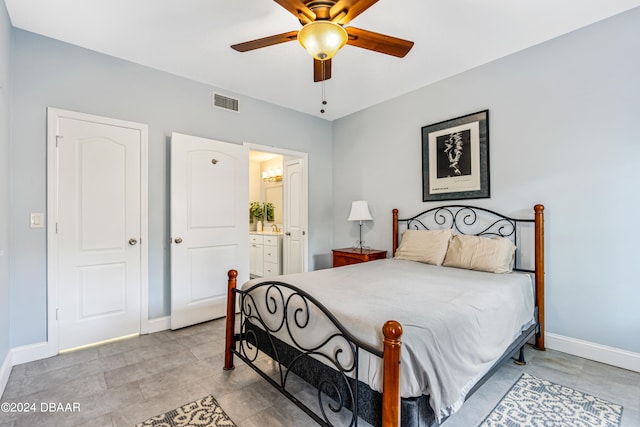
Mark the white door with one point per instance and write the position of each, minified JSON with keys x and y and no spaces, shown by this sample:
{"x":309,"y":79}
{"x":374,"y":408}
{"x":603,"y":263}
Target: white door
{"x":209,"y":225}
{"x":98,"y":222}
{"x":295,"y":218}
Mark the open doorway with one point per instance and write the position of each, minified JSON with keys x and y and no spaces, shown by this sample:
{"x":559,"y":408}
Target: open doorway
{"x":265,"y":191}
{"x":278,"y":211}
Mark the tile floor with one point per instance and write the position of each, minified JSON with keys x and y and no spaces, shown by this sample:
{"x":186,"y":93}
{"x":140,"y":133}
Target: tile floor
{"x":126,"y":382}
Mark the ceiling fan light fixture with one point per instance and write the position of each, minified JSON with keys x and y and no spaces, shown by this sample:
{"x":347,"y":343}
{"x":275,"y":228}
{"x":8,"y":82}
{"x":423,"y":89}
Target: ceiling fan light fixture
{"x":322,"y":39}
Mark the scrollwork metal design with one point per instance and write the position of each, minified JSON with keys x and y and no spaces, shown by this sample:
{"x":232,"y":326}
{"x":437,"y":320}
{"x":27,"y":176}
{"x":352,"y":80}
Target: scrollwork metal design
{"x":467,"y":220}
{"x":283,"y":312}
{"x":464,"y":220}
{"x":323,"y":394}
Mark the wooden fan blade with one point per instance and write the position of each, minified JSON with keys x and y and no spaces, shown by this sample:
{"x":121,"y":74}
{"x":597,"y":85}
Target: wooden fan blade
{"x":378,"y":42}
{"x":265,"y":41}
{"x":345,"y":10}
{"x":318,"y":74}
{"x":298,"y":9}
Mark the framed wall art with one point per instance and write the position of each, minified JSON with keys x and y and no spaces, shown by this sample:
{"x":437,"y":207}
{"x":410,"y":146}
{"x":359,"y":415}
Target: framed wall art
{"x":455,"y":158}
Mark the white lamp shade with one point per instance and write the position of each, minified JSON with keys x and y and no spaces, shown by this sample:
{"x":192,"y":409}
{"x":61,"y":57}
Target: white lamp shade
{"x":360,"y":211}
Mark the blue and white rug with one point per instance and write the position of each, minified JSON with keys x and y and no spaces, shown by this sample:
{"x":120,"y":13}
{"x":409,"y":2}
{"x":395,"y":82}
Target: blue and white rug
{"x":534,"y":402}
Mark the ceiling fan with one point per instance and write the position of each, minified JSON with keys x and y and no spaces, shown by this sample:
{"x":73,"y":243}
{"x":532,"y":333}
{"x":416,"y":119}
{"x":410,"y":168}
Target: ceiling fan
{"x":323,"y":32}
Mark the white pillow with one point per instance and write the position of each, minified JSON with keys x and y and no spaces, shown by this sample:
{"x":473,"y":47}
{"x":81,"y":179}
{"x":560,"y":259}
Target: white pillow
{"x":427,"y":246}
{"x":480,"y":253}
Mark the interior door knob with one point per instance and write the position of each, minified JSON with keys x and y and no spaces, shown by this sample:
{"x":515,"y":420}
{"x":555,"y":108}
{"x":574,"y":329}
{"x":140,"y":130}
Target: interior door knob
{"x":178,"y":240}
{"x":133,"y":241}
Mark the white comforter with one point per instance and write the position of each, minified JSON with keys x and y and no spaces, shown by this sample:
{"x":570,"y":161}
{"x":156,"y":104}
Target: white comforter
{"x":456,"y":323}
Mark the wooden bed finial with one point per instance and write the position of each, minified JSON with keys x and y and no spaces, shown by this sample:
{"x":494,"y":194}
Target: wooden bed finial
{"x":392,"y":331}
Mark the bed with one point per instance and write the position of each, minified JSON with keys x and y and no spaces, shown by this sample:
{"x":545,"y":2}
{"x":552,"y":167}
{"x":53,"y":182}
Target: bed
{"x":400,"y":341}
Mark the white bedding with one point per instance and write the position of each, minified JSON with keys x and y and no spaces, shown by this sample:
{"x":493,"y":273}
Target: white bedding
{"x":456,"y":323}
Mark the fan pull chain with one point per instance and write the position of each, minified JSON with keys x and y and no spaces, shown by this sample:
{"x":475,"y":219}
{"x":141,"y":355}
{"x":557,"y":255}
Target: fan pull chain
{"x":324,"y":101}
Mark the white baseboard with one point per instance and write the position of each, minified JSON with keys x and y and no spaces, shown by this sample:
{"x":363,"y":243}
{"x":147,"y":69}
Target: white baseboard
{"x":5,"y":371}
{"x":600,"y":353}
{"x":158,"y":324}
{"x":42,"y":350}
{"x":31,"y":352}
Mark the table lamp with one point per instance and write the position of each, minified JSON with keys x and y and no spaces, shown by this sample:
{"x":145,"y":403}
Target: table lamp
{"x":360,"y":212}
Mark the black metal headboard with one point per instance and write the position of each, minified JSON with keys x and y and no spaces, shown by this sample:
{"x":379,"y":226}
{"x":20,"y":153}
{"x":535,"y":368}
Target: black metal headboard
{"x":469,"y":220}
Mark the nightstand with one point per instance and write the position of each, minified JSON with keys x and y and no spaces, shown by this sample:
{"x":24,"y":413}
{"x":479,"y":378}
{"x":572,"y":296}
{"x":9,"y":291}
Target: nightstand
{"x":348,"y":256}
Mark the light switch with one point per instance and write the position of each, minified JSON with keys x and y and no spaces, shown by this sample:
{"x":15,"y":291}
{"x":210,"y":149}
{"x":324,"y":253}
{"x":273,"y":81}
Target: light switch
{"x":36,"y":220}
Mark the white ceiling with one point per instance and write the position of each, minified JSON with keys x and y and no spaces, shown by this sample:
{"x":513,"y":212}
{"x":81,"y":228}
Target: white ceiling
{"x":191,"y":38}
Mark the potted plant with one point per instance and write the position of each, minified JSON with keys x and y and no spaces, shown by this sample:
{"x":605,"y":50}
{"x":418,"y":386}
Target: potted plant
{"x":269,"y":211}
{"x":256,"y":211}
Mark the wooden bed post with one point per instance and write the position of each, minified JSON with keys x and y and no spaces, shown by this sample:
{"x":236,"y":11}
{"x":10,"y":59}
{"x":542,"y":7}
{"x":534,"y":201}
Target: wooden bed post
{"x":394,"y":241}
{"x":231,"y":319}
{"x":392,"y":331}
{"x":539,"y":260}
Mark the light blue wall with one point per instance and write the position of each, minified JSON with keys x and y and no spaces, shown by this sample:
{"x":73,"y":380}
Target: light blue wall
{"x":49,"y":73}
{"x":5,"y":116}
{"x":564,"y":131}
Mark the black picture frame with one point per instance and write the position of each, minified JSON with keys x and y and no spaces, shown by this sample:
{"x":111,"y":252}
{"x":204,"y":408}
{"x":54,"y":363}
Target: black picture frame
{"x":455,"y":158}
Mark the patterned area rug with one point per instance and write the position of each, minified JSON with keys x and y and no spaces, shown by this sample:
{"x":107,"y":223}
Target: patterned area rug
{"x":535,"y":402}
{"x":201,"y":413}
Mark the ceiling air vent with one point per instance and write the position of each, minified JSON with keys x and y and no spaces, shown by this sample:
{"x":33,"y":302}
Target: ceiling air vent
{"x":221,"y":101}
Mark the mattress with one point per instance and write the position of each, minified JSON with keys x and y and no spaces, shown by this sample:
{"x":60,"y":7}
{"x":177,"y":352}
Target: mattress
{"x":456,"y":322}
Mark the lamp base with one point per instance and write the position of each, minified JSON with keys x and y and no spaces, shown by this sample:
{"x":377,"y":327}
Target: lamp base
{"x":360,"y":243}
{"x":361,"y":247}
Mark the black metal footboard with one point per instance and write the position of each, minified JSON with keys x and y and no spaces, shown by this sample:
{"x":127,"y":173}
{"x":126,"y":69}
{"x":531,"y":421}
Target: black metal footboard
{"x":276,"y":318}
{"x":414,"y":411}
